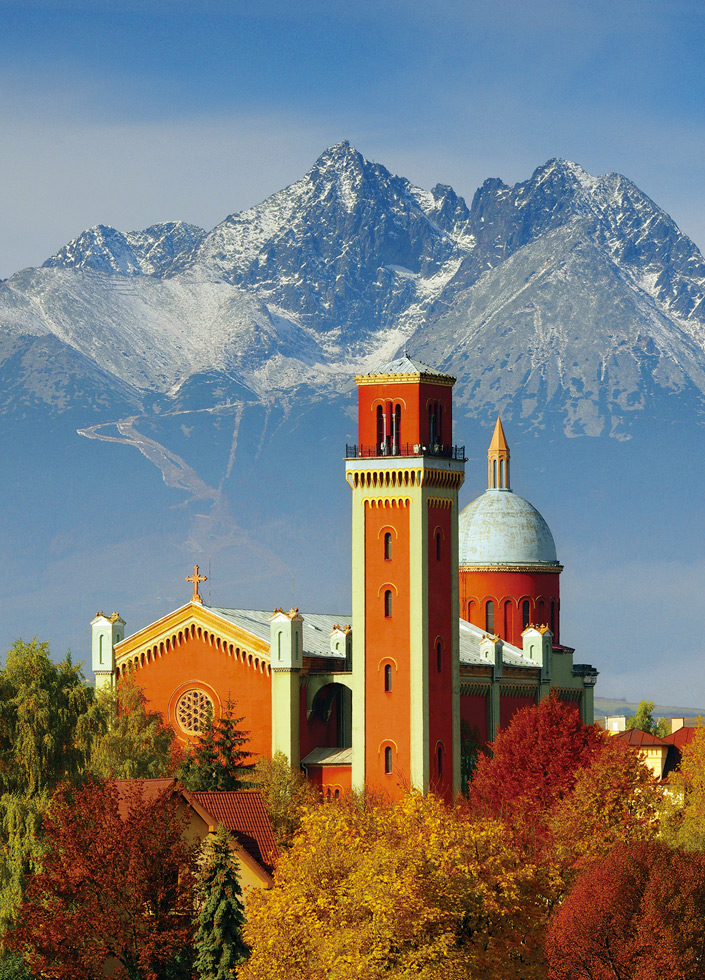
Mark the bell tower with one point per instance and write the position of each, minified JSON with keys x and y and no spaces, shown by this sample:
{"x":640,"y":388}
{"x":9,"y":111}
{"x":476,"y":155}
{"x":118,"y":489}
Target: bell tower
{"x":405,"y":474}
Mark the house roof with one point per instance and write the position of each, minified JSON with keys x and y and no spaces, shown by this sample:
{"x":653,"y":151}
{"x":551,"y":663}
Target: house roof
{"x":683,"y":736}
{"x":243,"y":814}
{"x":148,"y":789}
{"x":635,"y":736}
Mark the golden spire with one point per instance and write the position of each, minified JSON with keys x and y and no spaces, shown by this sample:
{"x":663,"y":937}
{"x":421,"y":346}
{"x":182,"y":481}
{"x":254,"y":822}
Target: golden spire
{"x":498,"y":460}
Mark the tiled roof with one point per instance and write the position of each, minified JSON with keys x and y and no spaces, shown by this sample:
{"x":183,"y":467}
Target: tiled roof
{"x":635,"y":736}
{"x":683,"y":736}
{"x":244,"y":815}
{"x":470,"y":637}
{"x":405,"y":365}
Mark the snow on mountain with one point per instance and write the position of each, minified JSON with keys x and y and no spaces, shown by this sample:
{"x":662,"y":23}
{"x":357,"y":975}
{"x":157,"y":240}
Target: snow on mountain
{"x":564,"y":290}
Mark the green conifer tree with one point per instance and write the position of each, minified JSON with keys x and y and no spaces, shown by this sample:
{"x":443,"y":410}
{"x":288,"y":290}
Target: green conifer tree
{"x":219,"y":759}
{"x":220,"y":948}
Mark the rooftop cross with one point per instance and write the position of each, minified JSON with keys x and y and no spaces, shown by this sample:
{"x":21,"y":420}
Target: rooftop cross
{"x":196,"y":578}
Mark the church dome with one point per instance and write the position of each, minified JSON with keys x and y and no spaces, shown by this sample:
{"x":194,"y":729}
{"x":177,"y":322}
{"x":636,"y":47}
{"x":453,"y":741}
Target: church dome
{"x":501,"y":528}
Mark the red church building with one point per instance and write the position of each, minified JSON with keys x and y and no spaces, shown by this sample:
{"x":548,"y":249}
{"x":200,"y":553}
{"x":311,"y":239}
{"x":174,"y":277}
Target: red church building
{"x":454,"y":625}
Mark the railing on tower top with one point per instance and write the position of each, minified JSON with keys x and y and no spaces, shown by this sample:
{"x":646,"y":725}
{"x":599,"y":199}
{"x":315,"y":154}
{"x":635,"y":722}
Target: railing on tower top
{"x":405,"y":449}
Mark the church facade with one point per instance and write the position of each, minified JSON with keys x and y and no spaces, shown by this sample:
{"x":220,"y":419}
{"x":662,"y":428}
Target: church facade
{"x":454,"y":623}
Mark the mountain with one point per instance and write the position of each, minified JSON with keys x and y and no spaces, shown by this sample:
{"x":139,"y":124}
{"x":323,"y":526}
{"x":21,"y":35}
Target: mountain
{"x":571,"y":303}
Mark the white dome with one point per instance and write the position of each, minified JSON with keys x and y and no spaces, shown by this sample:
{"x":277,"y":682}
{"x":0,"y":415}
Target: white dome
{"x":501,"y":528}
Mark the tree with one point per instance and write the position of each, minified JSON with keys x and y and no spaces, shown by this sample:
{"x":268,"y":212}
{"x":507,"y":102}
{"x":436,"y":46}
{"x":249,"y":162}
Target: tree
{"x":41,"y":704}
{"x":115,"y":887}
{"x":615,"y":799}
{"x":218,"y":760}
{"x":128,"y":742}
{"x":286,"y":794}
{"x":384,"y":890}
{"x":644,"y":720}
{"x":219,"y":944}
{"x":683,"y":818}
{"x":534,"y":764}
{"x":638,"y":912}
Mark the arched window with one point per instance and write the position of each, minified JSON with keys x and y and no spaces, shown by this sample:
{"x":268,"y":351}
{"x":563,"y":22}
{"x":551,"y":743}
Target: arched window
{"x":388,"y":603}
{"x":100,"y":649}
{"x":380,"y":427}
{"x":501,"y":472}
{"x":489,"y":616}
{"x":553,"y":618}
{"x":439,"y":656}
{"x":337,"y":794}
{"x":439,"y":423}
{"x":388,"y":761}
{"x":494,"y":474}
{"x":387,"y":677}
{"x":438,"y":545}
{"x":279,"y":645}
{"x":439,"y":761}
{"x":296,"y":646}
{"x":507,"y":620}
{"x":525,"y":614}
{"x":397,"y":429}
{"x":387,"y":546}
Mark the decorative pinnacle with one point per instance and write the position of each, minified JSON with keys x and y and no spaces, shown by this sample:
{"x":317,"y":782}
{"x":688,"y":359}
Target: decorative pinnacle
{"x":196,"y":578}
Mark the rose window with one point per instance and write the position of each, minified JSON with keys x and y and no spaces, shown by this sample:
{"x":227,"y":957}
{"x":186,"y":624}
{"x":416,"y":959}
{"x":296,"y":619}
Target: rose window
{"x":193,"y":709}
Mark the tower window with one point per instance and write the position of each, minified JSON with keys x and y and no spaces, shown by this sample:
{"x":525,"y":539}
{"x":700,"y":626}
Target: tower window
{"x":494,"y":474}
{"x":553,"y":618}
{"x":489,"y":617}
{"x":439,"y":657}
{"x":100,"y":648}
{"x":439,"y":761}
{"x":525,"y":614}
{"x":501,"y":473}
{"x":438,"y":545}
{"x":388,"y":677}
{"x":397,"y":429}
{"x":387,"y":546}
{"x":388,"y":603}
{"x":388,"y":761}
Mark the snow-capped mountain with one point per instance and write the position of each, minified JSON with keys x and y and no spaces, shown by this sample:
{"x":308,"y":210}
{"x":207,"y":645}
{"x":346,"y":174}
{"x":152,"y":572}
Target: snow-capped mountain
{"x":566,"y":290}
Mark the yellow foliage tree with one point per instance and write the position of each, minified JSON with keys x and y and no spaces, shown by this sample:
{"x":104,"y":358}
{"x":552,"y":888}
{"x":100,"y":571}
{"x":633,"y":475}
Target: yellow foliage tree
{"x":683,"y":819}
{"x":371,"y":889}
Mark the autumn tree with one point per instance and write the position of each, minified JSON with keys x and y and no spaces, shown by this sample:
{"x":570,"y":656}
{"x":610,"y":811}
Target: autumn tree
{"x":286,"y":793}
{"x":643,"y":719}
{"x":375,"y":889}
{"x":615,"y":799}
{"x":534,"y":764}
{"x":683,"y":817}
{"x":220,"y":948}
{"x":637,"y":912}
{"x":128,"y":740}
{"x":218,"y":760}
{"x":115,"y":888}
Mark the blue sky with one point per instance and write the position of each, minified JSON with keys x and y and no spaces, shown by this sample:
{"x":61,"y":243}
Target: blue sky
{"x":127,"y":113}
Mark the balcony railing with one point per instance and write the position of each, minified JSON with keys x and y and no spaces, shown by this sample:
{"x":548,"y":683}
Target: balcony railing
{"x":405,"y":449}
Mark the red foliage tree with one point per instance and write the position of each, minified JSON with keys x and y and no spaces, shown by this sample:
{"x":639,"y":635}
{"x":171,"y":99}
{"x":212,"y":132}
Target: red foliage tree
{"x":116,"y":888}
{"x":534,"y":764}
{"x":639,"y":912}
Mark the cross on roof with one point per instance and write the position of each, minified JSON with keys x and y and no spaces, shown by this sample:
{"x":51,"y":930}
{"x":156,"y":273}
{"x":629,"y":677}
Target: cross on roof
{"x":196,"y":578}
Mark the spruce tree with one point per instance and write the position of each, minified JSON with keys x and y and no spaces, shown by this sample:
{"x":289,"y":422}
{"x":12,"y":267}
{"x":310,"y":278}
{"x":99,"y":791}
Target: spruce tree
{"x":220,"y":948}
{"x":219,"y":760}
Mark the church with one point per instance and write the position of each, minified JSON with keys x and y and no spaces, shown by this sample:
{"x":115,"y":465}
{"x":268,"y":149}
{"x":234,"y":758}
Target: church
{"x":455,"y":619}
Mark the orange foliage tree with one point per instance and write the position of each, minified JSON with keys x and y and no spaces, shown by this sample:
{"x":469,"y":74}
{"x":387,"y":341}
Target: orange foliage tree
{"x":372,"y":889}
{"x":115,"y":889}
{"x":638,"y":912}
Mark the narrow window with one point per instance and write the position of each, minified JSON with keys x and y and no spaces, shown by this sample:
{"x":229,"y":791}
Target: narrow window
{"x":380,"y":428}
{"x":525,"y":614}
{"x":388,"y":761}
{"x":388,"y":677}
{"x":337,"y":794}
{"x":489,"y":617}
{"x":397,"y":429}
{"x":501,"y":473}
{"x":438,"y":545}
{"x":439,"y":423}
{"x":296,"y":647}
{"x":387,"y":603}
{"x":494,"y":474}
{"x":439,"y":761}
{"x":431,"y":426}
{"x":387,"y":546}
{"x":279,"y":646}
{"x":100,"y":649}
{"x":439,"y":657}
{"x":553,"y":618}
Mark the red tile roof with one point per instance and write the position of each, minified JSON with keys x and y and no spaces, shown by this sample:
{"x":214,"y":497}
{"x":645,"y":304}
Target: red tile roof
{"x":635,"y":736}
{"x":150,"y":789}
{"x":243,"y":813}
{"x":682,"y":736}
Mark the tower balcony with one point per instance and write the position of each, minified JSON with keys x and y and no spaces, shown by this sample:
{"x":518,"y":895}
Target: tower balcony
{"x":405,"y":449}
